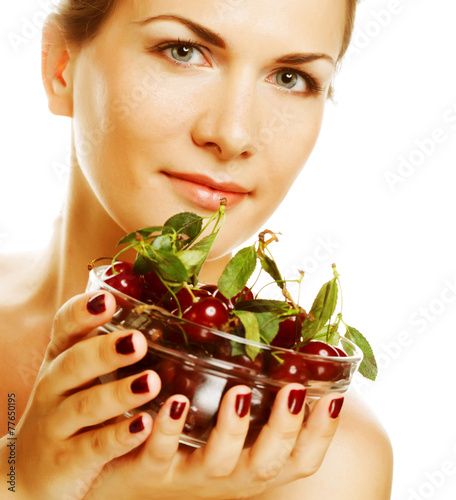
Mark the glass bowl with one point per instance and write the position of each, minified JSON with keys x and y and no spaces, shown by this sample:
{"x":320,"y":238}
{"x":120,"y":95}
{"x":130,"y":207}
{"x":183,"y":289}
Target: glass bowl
{"x":205,"y":371}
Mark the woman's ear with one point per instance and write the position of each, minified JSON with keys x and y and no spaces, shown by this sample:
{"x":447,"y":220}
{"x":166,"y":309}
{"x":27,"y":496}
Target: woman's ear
{"x":56,"y":69}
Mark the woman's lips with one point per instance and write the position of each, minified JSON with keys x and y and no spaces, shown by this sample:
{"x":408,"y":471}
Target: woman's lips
{"x":206,"y":192}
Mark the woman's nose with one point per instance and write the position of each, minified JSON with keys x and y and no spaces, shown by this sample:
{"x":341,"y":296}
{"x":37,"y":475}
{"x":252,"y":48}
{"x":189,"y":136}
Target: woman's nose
{"x":226,"y":125}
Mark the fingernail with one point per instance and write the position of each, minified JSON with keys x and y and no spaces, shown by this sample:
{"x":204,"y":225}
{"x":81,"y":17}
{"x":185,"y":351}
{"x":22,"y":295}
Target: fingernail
{"x":140,"y":385}
{"x":335,"y":407}
{"x":96,"y":305}
{"x":125,"y":345}
{"x":176,"y":410}
{"x":296,"y":400}
{"x":137,"y":425}
{"x":243,"y":404}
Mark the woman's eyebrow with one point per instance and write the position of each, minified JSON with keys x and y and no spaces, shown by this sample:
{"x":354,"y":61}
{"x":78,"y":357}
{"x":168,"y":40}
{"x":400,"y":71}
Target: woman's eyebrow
{"x":200,"y":31}
{"x":304,"y":58}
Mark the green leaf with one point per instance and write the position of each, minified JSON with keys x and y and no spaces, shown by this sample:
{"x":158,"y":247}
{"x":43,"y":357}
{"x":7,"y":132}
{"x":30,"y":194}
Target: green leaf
{"x":237,"y":348}
{"x":163,"y":243}
{"x":142,"y":265}
{"x":186,"y":223}
{"x":237,"y":272}
{"x":168,"y":265}
{"x":269,"y":325}
{"x":368,"y":367}
{"x":144,"y":232}
{"x":322,"y":309}
{"x":263,"y":305}
{"x":322,"y":334}
{"x":252,"y":331}
{"x":271,"y":268}
{"x":328,"y":334}
{"x":192,"y":260}
{"x":203,"y":246}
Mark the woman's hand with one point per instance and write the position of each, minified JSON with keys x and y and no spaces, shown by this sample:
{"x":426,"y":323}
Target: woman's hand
{"x":63,"y":440}
{"x":283,"y":452}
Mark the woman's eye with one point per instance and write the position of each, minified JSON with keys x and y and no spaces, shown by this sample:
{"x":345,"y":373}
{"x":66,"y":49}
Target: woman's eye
{"x":186,"y":54}
{"x":291,"y":80}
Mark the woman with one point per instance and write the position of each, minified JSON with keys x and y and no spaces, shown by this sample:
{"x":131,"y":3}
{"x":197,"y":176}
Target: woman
{"x":174,"y":105}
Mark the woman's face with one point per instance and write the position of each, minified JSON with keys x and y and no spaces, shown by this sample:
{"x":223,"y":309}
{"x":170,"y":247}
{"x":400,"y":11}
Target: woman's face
{"x":178,"y":104}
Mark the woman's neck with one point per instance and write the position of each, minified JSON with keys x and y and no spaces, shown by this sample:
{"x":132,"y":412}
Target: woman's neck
{"x":83,"y":232}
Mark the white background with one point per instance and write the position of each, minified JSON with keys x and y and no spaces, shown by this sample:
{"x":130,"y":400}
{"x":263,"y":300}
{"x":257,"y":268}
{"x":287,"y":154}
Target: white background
{"x":393,"y":240}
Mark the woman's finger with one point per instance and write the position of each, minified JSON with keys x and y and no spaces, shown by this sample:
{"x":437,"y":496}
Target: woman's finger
{"x":314,"y":439}
{"x":100,"y":403}
{"x":163,"y":443}
{"x":78,"y":317}
{"x":224,"y":446}
{"x":90,"y":358}
{"x":276,"y":440}
{"x":99,"y":446}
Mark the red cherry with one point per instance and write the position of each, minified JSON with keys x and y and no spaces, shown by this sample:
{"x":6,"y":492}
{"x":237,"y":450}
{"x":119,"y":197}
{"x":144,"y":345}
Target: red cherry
{"x":319,"y":348}
{"x":289,"y":332}
{"x":154,"y":284}
{"x":124,"y":280}
{"x":325,"y":370}
{"x":292,"y":367}
{"x":222,"y":349}
{"x":166,"y":370}
{"x":245,"y":361}
{"x":245,"y":294}
{"x":209,"y":312}
{"x":186,"y":298}
{"x":209,"y":287}
{"x":341,"y":353}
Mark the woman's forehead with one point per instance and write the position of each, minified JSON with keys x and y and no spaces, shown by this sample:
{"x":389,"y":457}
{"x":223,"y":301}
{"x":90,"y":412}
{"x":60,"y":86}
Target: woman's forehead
{"x":288,"y":24}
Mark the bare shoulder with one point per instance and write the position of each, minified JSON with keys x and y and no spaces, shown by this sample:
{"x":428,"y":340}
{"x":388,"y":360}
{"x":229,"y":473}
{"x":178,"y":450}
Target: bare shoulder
{"x":358,"y":465}
{"x":362,"y":451}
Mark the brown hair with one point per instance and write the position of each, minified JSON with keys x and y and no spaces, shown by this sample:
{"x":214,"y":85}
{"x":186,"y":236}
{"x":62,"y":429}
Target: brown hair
{"x":349,"y":23}
{"x":81,"y":20}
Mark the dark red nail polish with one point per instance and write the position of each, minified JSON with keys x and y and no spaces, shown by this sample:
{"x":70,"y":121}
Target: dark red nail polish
{"x":125,"y":345}
{"x":335,"y":407}
{"x":296,"y":400}
{"x":140,"y":385}
{"x":96,"y":305}
{"x":137,"y":425}
{"x":176,"y":410}
{"x":243,"y":404}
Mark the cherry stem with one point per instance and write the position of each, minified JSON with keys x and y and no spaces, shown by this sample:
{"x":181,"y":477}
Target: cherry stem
{"x":92,"y":263}
{"x":114,"y":259}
